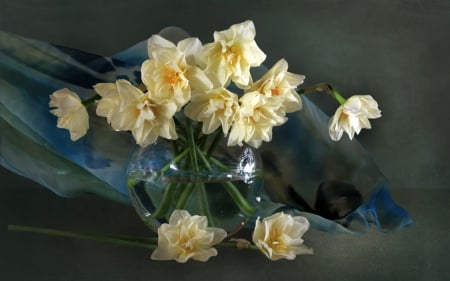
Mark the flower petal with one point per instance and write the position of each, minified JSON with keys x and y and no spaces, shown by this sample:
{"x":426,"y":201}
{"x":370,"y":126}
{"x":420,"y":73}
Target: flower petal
{"x":279,"y":236}
{"x":71,"y":113}
{"x":353,"y":116}
{"x":186,"y":237}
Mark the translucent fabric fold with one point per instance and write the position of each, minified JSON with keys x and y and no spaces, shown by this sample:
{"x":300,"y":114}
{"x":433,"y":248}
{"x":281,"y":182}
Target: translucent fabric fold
{"x":297,"y":163}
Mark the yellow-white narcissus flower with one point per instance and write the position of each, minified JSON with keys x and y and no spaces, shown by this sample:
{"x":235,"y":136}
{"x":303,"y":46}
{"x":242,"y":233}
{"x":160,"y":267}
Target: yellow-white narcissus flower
{"x":280,"y":84}
{"x":170,"y":73}
{"x":189,"y":47}
{"x":186,"y":237}
{"x":109,"y":104}
{"x":353,"y":116}
{"x":213,"y":108}
{"x":280,"y":236}
{"x":232,"y":54}
{"x":71,"y":113}
{"x":136,"y":111}
{"x":254,"y":120}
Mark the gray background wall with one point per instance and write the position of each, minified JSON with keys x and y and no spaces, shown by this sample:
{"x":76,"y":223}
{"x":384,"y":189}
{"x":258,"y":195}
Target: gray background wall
{"x":398,"y":51}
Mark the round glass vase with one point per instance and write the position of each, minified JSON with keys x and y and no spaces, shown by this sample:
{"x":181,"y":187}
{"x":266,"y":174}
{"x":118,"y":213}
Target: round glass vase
{"x":208,"y":179}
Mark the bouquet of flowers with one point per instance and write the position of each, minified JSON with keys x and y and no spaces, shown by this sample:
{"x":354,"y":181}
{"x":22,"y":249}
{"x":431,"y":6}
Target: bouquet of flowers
{"x":196,"y":79}
{"x":202,"y":102}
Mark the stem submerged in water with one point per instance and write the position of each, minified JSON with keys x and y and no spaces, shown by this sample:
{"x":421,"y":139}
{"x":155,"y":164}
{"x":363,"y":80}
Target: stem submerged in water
{"x":240,"y":201}
{"x":164,"y":206}
{"x":194,"y":159}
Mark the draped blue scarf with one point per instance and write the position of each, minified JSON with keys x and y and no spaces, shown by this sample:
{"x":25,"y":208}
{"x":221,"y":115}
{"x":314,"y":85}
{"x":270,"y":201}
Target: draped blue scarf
{"x":300,"y":157}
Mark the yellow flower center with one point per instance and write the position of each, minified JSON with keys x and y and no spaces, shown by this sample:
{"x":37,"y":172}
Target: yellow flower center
{"x":275,"y":91}
{"x":185,"y":242}
{"x":171,"y":76}
{"x":232,"y":55}
{"x":275,"y":240}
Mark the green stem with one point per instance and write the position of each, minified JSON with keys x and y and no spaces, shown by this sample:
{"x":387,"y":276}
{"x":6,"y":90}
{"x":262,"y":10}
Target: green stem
{"x":184,"y":196}
{"x":203,"y":158}
{"x":235,"y":194}
{"x":240,"y":201}
{"x":323,"y":87}
{"x":195,"y":151}
{"x":197,"y":131}
{"x":132,"y":182}
{"x":192,"y":145}
{"x":205,"y":204}
{"x":218,"y":163}
{"x":91,"y":100}
{"x":181,"y":139}
{"x":337,"y":96}
{"x":233,"y":245}
{"x":163,"y":207}
{"x":125,"y":240}
{"x":202,"y":141}
{"x":115,"y":239}
{"x":215,"y":142}
{"x":175,"y":160}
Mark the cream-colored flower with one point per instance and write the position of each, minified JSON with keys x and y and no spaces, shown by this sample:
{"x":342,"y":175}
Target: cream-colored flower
{"x":353,"y":116}
{"x":168,"y":73}
{"x":186,"y":237}
{"x":133,"y":110}
{"x":280,"y":236}
{"x":110,"y":101}
{"x":254,"y":120}
{"x":189,"y":47}
{"x":112,"y":104}
{"x":280,"y":84}
{"x":232,"y":54}
{"x":214,"y":108}
{"x":71,"y":113}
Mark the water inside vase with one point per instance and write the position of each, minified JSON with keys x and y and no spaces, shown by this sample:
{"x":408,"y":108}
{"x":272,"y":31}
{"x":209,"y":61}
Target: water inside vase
{"x":203,"y":191}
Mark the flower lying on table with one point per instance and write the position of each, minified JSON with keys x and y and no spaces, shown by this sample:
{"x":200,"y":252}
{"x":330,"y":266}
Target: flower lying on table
{"x":186,"y":237}
{"x":189,"y":237}
{"x":189,"y":92}
{"x":279,"y":236}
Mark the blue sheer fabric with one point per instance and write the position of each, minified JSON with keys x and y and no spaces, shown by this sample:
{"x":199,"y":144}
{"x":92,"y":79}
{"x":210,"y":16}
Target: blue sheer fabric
{"x":300,"y":157}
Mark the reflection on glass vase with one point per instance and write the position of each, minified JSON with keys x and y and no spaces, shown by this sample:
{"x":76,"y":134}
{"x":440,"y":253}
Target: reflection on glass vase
{"x":204,"y":178}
